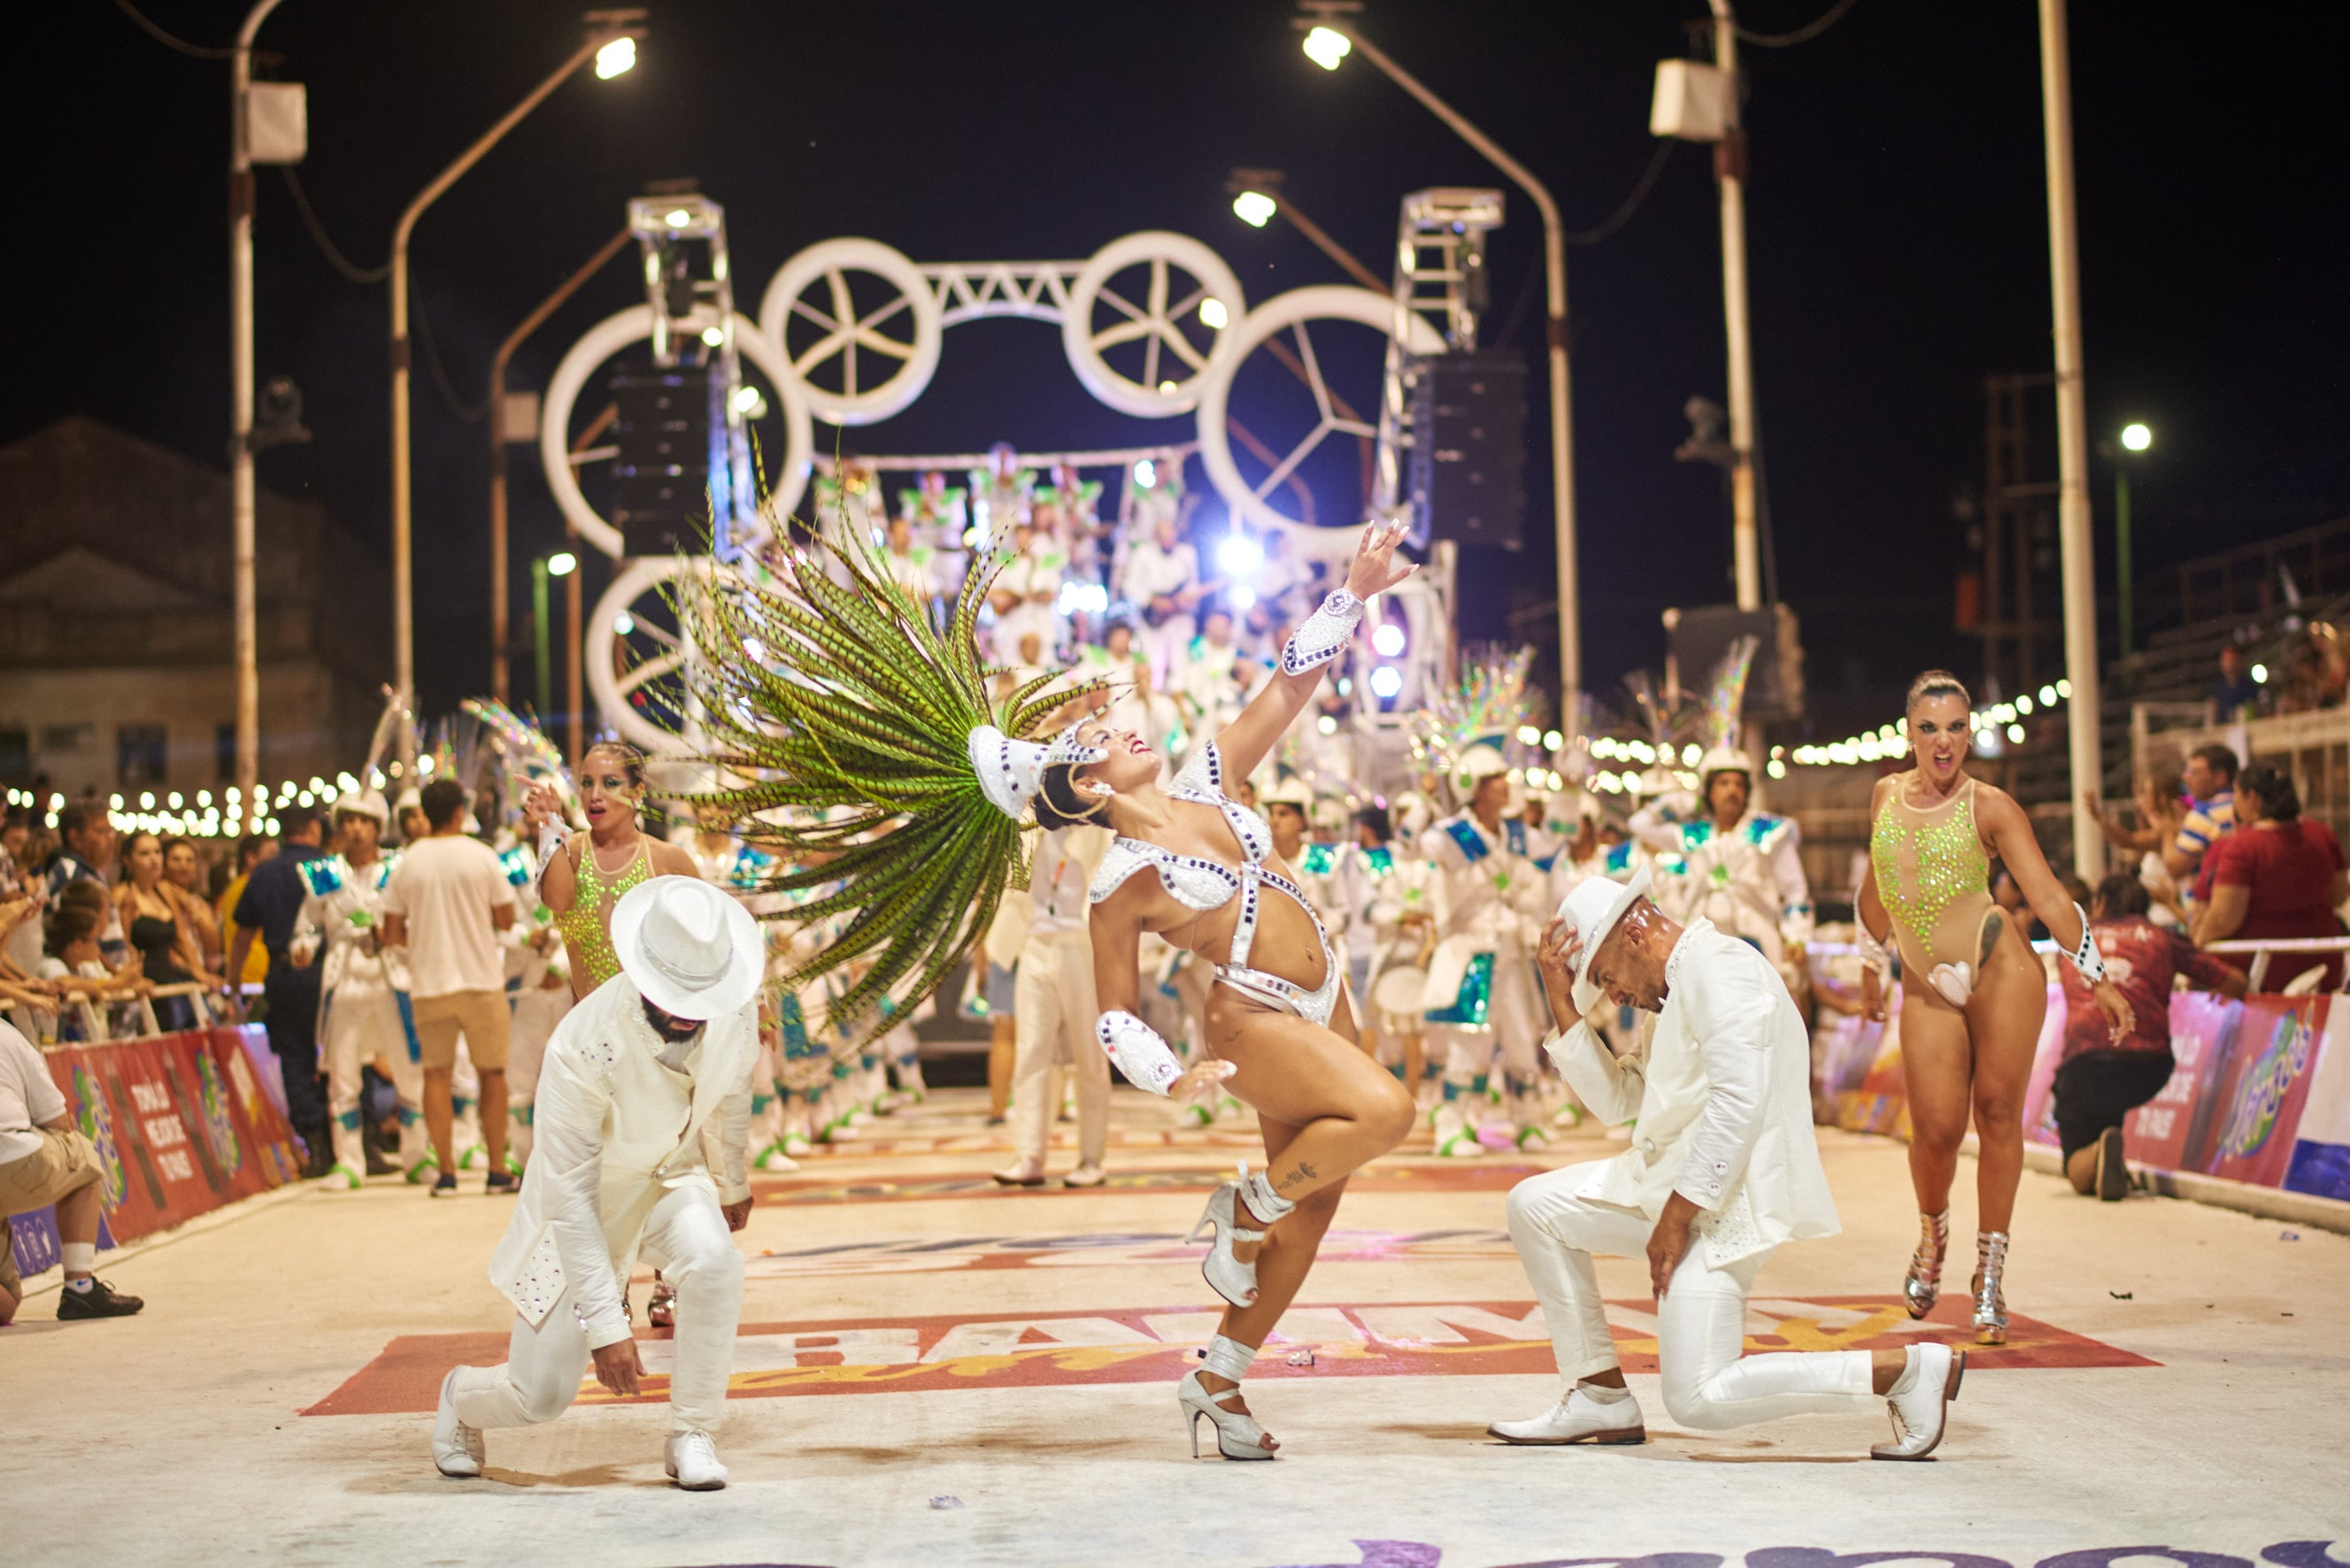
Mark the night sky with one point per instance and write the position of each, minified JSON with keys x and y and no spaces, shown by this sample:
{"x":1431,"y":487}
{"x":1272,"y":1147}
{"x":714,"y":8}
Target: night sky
{"x":1897,"y":239}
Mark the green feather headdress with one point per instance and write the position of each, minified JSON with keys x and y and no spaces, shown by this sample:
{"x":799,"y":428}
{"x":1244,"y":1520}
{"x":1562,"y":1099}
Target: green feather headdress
{"x":843,"y":720}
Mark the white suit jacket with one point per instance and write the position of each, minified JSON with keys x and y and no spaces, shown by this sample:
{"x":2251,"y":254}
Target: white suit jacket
{"x":607,"y":1145}
{"x":1722,"y":1098}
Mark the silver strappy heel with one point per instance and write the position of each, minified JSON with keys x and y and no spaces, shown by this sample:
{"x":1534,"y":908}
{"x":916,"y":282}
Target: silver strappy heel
{"x":1225,"y":1273}
{"x":1990,"y":1301}
{"x":1921,"y":1287}
{"x":1238,"y":1436}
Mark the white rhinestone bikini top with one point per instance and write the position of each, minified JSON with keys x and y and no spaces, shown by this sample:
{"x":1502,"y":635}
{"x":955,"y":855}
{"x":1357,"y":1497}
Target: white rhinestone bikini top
{"x":1191,"y":880}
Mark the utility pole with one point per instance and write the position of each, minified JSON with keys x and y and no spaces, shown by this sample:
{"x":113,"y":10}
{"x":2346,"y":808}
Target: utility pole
{"x":2076,"y":551}
{"x":241,"y":497}
{"x":1730,"y":174}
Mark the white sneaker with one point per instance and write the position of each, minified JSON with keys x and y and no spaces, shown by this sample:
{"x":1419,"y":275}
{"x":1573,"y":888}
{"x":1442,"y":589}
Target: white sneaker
{"x":1578,"y":1419}
{"x":342,"y":1173}
{"x":692,"y":1462}
{"x":1455,"y":1139}
{"x":1919,"y":1401}
{"x":1087,"y":1175}
{"x":457,"y":1448}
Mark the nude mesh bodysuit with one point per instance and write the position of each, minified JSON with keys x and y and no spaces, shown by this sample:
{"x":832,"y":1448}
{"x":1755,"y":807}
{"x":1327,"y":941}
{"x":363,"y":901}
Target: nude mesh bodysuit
{"x":1933,"y":875}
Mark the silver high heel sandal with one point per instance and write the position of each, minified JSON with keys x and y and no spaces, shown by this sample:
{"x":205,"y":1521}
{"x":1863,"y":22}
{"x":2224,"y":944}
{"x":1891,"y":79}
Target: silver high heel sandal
{"x":1921,"y":1287}
{"x":1225,"y":1273}
{"x":1238,"y":1437}
{"x":1990,"y":1302}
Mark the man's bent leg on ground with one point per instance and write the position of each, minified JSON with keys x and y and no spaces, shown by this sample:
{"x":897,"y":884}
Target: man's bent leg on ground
{"x":687,"y":1240}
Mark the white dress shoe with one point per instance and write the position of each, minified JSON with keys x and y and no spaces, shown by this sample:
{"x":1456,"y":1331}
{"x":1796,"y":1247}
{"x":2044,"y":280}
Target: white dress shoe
{"x":692,"y":1460}
{"x":1578,"y":1419}
{"x":1919,"y":1401}
{"x":1085,"y":1176}
{"x":457,"y":1448}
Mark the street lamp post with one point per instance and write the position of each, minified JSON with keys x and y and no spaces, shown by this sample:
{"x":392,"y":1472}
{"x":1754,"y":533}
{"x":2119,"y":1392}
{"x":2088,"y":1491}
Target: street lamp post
{"x":612,"y":45}
{"x":1257,"y":199}
{"x":2076,"y":550}
{"x":499,"y":440}
{"x":1330,"y":37}
{"x":562,"y":564}
{"x":242,"y":498}
{"x":2135,"y":438}
{"x":1730,"y":173}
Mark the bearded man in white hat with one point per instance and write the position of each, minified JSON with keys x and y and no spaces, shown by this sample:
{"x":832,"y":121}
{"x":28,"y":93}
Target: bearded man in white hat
{"x":1723,"y":1170}
{"x":645,"y":1086}
{"x":1481,"y":993}
{"x":1739,"y":866}
{"x":363,"y":1008}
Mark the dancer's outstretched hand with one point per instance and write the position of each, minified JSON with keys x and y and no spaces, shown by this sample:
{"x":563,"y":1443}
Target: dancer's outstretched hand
{"x":1375,"y":569}
{"x":543,"y":805}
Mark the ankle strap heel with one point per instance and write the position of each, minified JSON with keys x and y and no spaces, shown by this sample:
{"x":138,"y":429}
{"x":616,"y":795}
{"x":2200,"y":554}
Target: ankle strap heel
{"x":1921,"y":1287}
{"x":1238,"y":1436}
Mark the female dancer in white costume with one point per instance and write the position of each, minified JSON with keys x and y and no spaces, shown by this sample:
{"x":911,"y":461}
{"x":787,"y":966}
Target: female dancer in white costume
{"x":1276,"y":1015}
{"x":822,"y":693}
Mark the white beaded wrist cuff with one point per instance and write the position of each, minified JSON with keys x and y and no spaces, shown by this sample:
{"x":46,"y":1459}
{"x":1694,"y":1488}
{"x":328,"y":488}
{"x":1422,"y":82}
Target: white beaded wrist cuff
{"x":2086,"y":958}
{"x":1324,"y":633}
{"x":1138,"y":1051}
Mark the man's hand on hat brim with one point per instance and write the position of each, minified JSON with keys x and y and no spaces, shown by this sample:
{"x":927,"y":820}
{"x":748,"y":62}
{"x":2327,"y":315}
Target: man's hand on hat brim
{"x":1555,"y":957}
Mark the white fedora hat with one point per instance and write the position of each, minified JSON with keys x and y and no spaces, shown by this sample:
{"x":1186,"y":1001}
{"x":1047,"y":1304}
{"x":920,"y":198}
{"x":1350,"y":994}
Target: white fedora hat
{"x":1592,"y":906}
{"x":693,"y":951}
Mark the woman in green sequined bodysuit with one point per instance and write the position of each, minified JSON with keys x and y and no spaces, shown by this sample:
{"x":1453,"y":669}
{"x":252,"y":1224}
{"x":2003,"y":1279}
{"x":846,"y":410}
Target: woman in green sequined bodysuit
{"x":1973,"y":993}
{"x":591,"y":870}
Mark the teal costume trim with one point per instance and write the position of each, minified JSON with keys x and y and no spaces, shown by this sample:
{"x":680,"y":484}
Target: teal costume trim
{"x":1318,"y":860}
{"x":322,"y":874}
{"x":1469,"y":1009}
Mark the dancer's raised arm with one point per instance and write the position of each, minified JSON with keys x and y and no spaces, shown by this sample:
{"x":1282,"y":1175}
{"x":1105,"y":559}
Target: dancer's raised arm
{"x":1247,"y":740}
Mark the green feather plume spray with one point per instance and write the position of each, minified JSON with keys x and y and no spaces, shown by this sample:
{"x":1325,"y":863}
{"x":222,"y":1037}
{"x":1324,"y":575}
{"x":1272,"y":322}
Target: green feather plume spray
{"x":841,"y":717}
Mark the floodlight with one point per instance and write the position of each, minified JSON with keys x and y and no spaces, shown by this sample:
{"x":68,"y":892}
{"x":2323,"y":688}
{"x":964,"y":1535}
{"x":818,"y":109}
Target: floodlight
{"x":562,"y":564}
{"x":1387,"y":640}
{"x":1212,"y":315}
{"x":2136,"y":437}
{"x":616,"y":57}
{"x":1255,"y":208}
{"x":1386,"y":681}
{"x":1325,"y":47}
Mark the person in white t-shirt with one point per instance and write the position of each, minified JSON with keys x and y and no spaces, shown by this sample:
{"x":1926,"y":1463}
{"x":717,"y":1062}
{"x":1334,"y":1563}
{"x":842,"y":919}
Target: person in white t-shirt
{"x":46,"y":1159}
{"x":447,"y":901}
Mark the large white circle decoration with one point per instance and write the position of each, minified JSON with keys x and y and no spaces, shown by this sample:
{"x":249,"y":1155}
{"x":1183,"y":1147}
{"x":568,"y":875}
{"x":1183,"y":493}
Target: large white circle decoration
{"x":615,"y":674}
{"x":1170,"y":361}
{"x":1296,"y":309}
{"x":855,"y":340}
{"x":608,"y":338}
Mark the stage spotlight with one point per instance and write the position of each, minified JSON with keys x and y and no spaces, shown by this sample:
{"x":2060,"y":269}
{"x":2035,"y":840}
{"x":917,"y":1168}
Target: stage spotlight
{"x":562,"y":564}
{"x":1212,"y":315}
{"x":1387,"y":640}
{"x":1240,"y":556}
{"x":1387,"y":681}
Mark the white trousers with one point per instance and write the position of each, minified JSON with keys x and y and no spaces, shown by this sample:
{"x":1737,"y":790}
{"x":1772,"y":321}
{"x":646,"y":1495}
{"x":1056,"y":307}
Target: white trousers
{"x":687,"y":1240}
{"x":361,"y":1022}
{"x":1517,"y":1019}
{"x":1055,"y":1012}
{"x":1701,"y":1323}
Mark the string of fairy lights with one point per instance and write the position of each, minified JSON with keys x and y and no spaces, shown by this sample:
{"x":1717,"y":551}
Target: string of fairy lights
{"x":225,"y":814}
{"x":202,"y":813}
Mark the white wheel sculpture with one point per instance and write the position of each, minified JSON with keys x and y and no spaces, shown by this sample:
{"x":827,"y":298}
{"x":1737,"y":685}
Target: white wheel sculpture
{"x":908,"y":362}
{"x":630,"y":683}
{"x":1156,"y":322}
{"x":608,"y":338}
{"x":1292,"y":312}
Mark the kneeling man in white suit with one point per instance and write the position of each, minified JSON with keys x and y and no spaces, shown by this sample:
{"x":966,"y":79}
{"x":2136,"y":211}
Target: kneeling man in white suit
{"x":645,"y":1084}
{"x":1722,"y":1169}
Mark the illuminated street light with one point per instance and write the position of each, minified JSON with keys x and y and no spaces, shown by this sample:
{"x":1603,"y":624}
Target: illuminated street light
{"x":2136,"y":437}
{"x":1212,"y":315}
{"x":1255,"y":208}
{"x":616,"y":57}
{"x":714,"y":336}
{"x":562,"y":564}
{"x":1325,"y":47}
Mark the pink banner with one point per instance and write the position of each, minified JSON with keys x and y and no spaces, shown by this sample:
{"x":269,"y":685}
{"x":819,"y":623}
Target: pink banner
{"x":2258,"y":1111}
{"x":2167,"y":1131}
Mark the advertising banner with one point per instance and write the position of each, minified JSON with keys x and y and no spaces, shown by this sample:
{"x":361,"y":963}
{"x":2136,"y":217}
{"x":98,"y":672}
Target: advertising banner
{"x":2258,"y":1111}
{"x":2320,"y":1150}
{"x":178,"y":1123}
{"x":2163,"y":1133}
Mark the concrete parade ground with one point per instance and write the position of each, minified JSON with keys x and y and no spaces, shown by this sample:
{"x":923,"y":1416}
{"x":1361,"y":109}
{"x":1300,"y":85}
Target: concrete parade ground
{"x":934,"y":1370}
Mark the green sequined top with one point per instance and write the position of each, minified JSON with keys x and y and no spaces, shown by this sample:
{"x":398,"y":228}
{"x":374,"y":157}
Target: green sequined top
{"x":587,"y":926}
{"x":1933,"y":875}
